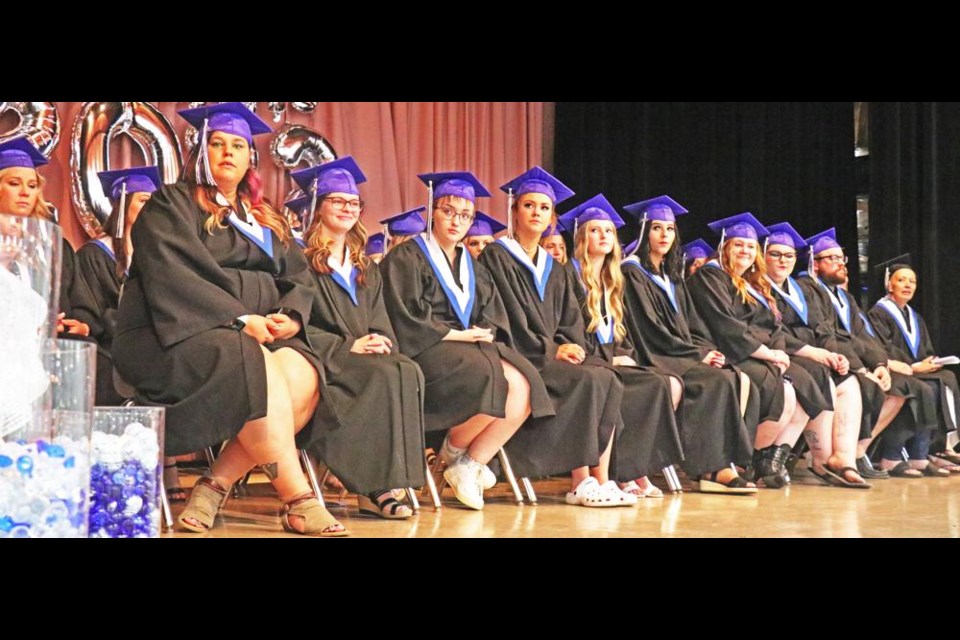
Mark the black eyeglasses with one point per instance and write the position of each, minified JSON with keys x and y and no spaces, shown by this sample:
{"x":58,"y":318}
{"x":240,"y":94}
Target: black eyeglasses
{"x":776,"y":255}
{"x":463,"y":217}
{"x":834,"y":259}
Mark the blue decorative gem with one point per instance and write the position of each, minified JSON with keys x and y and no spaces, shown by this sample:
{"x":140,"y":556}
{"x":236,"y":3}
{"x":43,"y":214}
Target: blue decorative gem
{"x":54,"y":450}
{"x":6,"y":523}
{"x":5,"y":461}
{"x":25,"y":464}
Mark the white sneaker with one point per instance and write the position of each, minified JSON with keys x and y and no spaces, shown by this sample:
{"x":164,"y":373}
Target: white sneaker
{"x":465,"y":477}
{"x":489,"y":480}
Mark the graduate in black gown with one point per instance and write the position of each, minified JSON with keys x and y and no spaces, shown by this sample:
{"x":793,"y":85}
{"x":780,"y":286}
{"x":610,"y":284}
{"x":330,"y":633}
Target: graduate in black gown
{"x":211,"y":323}
{"x":667,"y":333}
{"x":449,"y":318}
{"x":375,"y":248}
{"x":907,"y":339}
{"x":734,"y":301}
{"x":369,"y":426}
{"x":21,"y":194}
{"x":102,"y":263}
{"x":546,"y":325}
{"x":481,"y":233}
{"x":401,"y":227}
{"x":824,"y":284}
{"x":553,"y":243}
{"x":649,"y":440}
{"x":856,"y":405}
{"x":695,"y":254}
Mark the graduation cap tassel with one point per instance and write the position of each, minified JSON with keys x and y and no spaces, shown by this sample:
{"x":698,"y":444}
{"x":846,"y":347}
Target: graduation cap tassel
{"x":118,"y":232}
{"x":510,"y":212}
{"x":386,"y":238}
{"x":683,"y":261}
{"x":205,"y":178}
{"x":643,"y":225}
{"x":313,"y":206}
{"x":810,"y":264}
{"x":886,"y":279}
{"x":765,"y":245}
{"x":430,"y":209}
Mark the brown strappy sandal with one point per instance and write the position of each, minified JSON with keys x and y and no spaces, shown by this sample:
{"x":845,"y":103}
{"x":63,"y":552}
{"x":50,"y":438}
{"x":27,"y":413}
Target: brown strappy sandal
{"x":317,"y":521}
{"x":205,"y":501}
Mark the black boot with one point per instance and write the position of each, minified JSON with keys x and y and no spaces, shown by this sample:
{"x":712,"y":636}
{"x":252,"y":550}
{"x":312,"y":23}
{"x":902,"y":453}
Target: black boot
{"x":769,"y":467}
{"x":782,"y":457}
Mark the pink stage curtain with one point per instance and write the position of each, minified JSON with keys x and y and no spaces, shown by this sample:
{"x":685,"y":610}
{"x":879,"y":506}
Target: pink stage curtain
{"x":391,"y":141}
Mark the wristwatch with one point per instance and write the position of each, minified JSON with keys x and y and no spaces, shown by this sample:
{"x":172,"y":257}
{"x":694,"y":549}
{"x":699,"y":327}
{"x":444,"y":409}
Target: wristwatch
{"x":238,"y":323}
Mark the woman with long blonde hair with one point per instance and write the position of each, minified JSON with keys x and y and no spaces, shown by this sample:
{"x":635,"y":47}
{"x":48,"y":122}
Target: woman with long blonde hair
{"x":211,"y":324}
{"x":21,"y":194}
{"x":649,"y":439}
{"x":733,"y":298}
{"x":369,"y":426}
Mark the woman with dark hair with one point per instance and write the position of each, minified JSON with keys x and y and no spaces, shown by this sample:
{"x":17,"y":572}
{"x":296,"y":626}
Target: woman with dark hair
{"x":369,"y":425}
{"x":733,"y":298}
{"x":649,"y":440}
{"x":103,"y":263}
{"x":211,"y":323}
{"x":449,"y":318}
{"x":546,"y":326}
{"x":718,"y":420}
{"x":904,"y":333}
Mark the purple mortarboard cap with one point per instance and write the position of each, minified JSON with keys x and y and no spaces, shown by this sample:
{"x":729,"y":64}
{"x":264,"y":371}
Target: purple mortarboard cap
{"x":784,"y":233}
{"x":596,"y":208}
{"x":298,"y":205}
{"x":136,"y":179}
{"x":662,"y":208}
{"x":554,"y":229}
{"x":408,"y":223}
{"x":484,"y":225}
{"x":20,"y":152}
{"x":375,"y":244}
{"x":742,"y":225}
{"x":697,"y":249}
{"x":537,"y":180}
{"x":229,"y":117}
{"x":455,"y":183}
{"x":823,"y":241}
{"x":630,"y":248}
{"x":338,"y":176}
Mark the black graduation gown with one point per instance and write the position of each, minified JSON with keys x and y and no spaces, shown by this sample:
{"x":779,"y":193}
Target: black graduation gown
{"x":712,"y":431}
{"x":739,"y":328}
{"x":649,"y":439}
{"x":462,"y":379}
{"x":586,"y":397}
{"x":96,"y":305}
{"x":864,"y":350}
{"x":172,"y":341}
{"x":369,"y":426}
{"x":890,"y":333}
{"x":817,"y":330}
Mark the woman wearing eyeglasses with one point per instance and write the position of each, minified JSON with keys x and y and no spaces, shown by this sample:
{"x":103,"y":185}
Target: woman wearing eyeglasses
{"x":449,"y":318}
{"x":368,"y":426}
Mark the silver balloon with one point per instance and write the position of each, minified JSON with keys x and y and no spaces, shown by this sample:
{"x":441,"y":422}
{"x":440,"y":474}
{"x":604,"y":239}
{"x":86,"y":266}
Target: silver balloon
{"x":296,"y":144}
{"x":278,"y":109}
{"x":304,"y":107}
{"x":95,"y":126}
{"x":39,"y":121}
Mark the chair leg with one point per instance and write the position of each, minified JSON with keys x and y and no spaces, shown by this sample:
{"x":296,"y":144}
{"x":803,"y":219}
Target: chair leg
{"x":307,"y":461}
{"x":166,"y":514}
{"x":673,"y":480}
{"x":412,"y":497}
{"x":208,"y":452}
{"x":528,"y":487}
{"x":511,"y":478}
{"x":431,"y":485}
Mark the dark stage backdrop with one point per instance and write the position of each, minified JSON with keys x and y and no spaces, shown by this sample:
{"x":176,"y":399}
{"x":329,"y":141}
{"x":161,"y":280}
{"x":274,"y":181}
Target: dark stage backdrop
{"x":782,"y":161}
{"x":915,"y":205}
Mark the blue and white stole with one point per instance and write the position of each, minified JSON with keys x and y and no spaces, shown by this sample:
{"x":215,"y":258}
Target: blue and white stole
{"x":912,"y":336}
{"x":664,"y":282}
{"x":540,"y":271}
{"x":753,"y":292}
{"x":867,"y":325}
{"x":345,"y":274}
{"x":795,"y":298}
{"x":462,"y":298}
{"x":250,"y":229}
{"x":842,"y":307}
{"x":107,"y":246}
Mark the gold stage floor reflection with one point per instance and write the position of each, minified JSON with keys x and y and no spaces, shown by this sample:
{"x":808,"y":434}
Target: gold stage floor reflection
{"x":928,"y":507}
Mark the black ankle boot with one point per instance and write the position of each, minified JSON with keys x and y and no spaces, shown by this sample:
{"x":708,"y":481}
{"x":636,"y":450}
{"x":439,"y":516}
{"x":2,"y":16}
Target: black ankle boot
{"x":769,"y":468}
{"x":783,"y":456}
